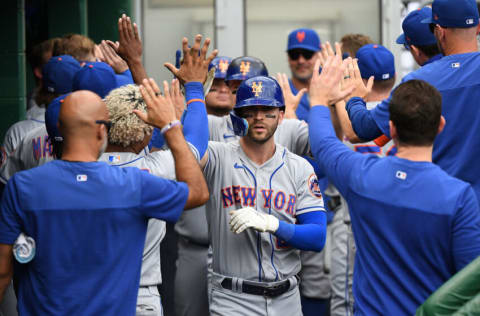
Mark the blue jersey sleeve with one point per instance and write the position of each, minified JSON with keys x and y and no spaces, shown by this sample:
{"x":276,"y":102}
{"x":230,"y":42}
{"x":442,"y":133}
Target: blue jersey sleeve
{"x":309,"y":234}
{"x":337,"y":160}
{"x":363,"y":121}
{"x":466,"y":230}
{"x":10,"y":221}
{"x":195,"y":125}
{"x":161,"y":198}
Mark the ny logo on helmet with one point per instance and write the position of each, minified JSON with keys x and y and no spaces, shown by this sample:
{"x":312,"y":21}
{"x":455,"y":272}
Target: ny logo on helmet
{"x":257,"y":88}
{"x":223,"y":65}
{"x":244,"y":67}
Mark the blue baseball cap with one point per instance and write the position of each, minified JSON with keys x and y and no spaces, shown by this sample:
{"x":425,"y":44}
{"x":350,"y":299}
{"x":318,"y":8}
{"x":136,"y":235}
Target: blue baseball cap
{"x":305,"y":39}
{"x":221,"y":64}
{"x":51,"y":118}
{"x":97,"y":77}
{"x":58,"y":73}
{"x":454,"y":13}
{"x":376,"y":60}
{"x":414,"y":31}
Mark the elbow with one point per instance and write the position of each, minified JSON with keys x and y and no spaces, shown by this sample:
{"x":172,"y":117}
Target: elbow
{"x":198,"y":196}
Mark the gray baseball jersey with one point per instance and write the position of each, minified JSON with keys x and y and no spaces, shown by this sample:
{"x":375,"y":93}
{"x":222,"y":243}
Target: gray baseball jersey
{"x":17,"y":131}
{"x":159,"y":163}
{"x":33,"y":150}
{"x":282,"y":186}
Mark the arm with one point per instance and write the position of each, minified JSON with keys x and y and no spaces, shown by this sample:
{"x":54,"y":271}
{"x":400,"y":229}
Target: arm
{"x":6,"y":267}
{"x":362,"y":124}
{"x":310,"y":235}
{"x":466,"y":230}
{"x":336,"y":121}
{"x":160,"y":113}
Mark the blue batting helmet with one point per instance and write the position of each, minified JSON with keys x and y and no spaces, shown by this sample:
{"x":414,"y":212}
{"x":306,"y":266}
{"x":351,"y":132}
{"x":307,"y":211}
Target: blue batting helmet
{"x":243,"y":68}
{"x":221,"y":64}
{"x":259,"y":90}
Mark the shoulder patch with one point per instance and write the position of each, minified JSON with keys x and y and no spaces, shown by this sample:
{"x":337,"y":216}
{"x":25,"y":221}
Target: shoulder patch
{"x":313,"y":186}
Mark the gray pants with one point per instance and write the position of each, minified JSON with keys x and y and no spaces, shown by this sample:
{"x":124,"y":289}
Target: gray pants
{"x":235,"y":303}
{"x":191,"y":297}
{"x":149,"y":302}
{"x":343,"y":255}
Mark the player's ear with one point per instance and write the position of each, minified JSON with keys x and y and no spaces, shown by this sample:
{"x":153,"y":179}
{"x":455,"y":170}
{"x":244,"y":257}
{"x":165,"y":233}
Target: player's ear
{"x":441,"y":125}
{"x":281,"y":114}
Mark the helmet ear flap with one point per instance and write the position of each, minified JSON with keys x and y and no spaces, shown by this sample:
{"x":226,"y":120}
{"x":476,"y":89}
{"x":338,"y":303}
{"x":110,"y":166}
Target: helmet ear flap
{"x":239,"y":124}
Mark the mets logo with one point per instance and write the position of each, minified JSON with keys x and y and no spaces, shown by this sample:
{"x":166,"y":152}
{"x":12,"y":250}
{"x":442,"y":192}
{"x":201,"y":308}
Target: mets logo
{"x":257,"y":88}
{"x":223,"y":65}
{"x":300,"y":36}
{"x":314,"y":187}
{"x":244,"y":67}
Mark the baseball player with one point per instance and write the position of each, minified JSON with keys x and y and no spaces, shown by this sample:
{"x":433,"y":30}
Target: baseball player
{"x":36,"y":148}
{"x":58,"y":75}
{"x":259,"y":190}
{"x":407,"y":246}
{"x":191,"y":265}
{"x":378,"y":62}
{"x":455,"y":26}
{"x":418,"y":39}
{"x":242,"y":68}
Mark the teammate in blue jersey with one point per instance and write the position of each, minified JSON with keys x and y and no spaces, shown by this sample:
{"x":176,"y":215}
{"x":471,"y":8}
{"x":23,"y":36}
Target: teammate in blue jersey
{"x":302,"y":47}
{"x":415,"y":225}
{"x":89,"y":219}
{"x":455,"y":26}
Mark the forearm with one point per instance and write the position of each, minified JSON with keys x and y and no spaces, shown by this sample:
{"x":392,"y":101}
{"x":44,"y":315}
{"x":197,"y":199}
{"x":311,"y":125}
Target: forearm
{"x":137,"y":70}
{"x":336,"y":120}
{"x":195,"y":124}
{"x":308,"y":236}
{"x":362,"y":121}
{"x":186,"y":168}
{"x":6,"y":268}
{"x":345,"y":123}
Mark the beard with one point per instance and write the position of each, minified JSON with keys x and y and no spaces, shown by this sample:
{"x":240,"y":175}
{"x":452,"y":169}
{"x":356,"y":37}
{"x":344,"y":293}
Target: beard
{"x":262,"y":139}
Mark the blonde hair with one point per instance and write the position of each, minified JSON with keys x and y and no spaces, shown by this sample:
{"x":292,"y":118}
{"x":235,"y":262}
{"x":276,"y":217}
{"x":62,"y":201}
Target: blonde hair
{"x":126,"y":128}
{"x":80,"y":47}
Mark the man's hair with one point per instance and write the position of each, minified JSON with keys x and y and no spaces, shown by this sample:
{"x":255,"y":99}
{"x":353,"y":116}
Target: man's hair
{"x":39,"y":55}
{"x":429,"y":50}
{"x":415,"y":110}
{"x":78,"y":46}
{"x":384,"y":85}
{"x":351,"y":43}
{"x":126,"y":128}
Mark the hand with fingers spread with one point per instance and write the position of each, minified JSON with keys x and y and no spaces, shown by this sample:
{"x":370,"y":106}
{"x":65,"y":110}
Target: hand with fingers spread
{"x":354,"y":79}
{"x":195,"y":65}
{"x":325,"y":88}
{"x":291,"y":100}
{"x":178,"y":98}
{"x":250,"y":218}
{"x":111,"y":57}
{"x":160,"y":109}
{"x":130,"y":44}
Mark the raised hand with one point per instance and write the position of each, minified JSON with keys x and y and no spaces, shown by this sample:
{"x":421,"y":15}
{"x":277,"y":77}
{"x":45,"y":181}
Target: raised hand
{"x":325,"y":88}
{"x":177,"y":98}
{"x":160,"y":109}
{"x":291,"y":100}
{"x":130,"y":44}
{"x":195,"y":65}
{"x":111,"y":57}
{"x":354,"y":78}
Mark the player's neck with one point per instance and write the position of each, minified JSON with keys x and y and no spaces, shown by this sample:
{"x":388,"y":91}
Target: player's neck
{"x":112,"y":148}
{"x":463,"y":47}
{"x":300,"y":84}
{"x":79,"y":152}
{"x":377,"y":96}
{"x":258,"y":153}
{"x":414,"y":153}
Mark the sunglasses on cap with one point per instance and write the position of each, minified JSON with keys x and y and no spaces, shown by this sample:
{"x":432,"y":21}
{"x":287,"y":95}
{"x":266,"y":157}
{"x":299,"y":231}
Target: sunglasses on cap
{"x":294,"y":54}
{"x":108,"y":124}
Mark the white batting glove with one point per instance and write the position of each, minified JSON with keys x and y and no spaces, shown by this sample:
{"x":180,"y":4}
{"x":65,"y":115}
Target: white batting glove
{"x":250,"y":218}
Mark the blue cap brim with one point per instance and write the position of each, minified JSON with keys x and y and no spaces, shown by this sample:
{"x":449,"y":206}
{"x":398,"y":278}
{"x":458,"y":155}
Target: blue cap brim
{"x":258,"y":102}
{"x":401,"y":39}
{"x":428,"y":21}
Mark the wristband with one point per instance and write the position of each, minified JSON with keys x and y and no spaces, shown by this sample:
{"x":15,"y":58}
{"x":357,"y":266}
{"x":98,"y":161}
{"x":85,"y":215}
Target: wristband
{"x":169,"y":126}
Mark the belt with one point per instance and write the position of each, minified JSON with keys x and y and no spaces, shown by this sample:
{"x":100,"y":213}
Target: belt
{"x":256,"y":289}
